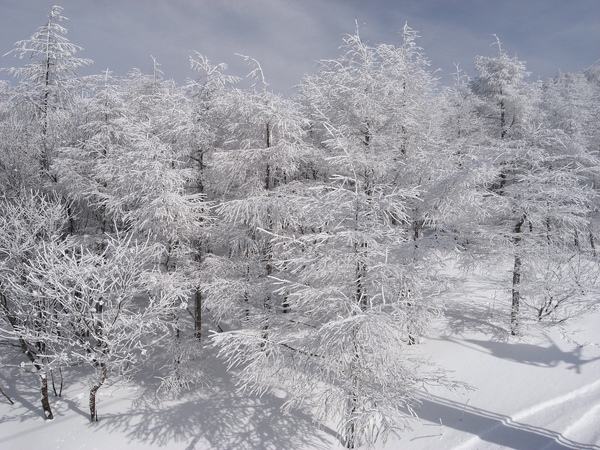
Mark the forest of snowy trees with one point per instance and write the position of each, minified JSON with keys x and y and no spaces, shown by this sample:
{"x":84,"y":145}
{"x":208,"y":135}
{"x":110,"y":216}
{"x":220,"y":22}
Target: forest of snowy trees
{"x":304,"y":238}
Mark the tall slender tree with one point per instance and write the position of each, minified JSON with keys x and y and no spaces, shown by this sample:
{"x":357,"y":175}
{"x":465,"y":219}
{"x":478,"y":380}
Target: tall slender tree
{"x":540,"y":199}
{"x":201,"y":131}
{"x":342,"y":258}
{"x":48,"y":83}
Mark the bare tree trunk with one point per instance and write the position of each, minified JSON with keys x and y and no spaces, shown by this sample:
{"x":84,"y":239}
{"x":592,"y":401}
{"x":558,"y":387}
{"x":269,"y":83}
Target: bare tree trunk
{"x":516,"y":281}
{"x":7,"y":397}
{"x":516,"y":297}
{"x":45,"y":401}
{"x":198,"y":314}
{"x":32,"y":358}
{"x":351,"y":438}
{"x":268,"y":174}
{"x":411,"y":306}
{"x":198,"y":299}
{"x":43,"y":380}
{"x":60,"y":386}
{"x":94,"y":390}
{"x":268,"y":300}
{"x":45,"y":108}
{"x":503,"y":128}
{"x":268,"y":250}
{"x":362,"y":299}
{"x":103,"y":372}
{"x":361,"y":272}
{"x":285,"y":304}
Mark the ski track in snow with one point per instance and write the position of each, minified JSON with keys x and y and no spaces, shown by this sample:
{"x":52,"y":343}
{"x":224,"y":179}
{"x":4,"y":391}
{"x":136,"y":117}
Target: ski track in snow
{"x":588,"y":421}
{"x":567,"y":402}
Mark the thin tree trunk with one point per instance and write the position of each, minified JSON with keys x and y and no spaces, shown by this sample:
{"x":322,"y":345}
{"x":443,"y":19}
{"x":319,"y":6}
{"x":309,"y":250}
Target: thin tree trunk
{"x":177,"y":349}
{"x":516,"y":297}
{"x":94,"y":390}
{"x":7,"y":397}
{"x":45,"y":400}
{"x":361,"y":271}
{"x":60,"y":386}
{"x":32,"y":358}
{"x":199,"y":254}
{"x":198,"y":300}
{"x":516,"y":281}
{"x":268,"y":174}
{"x":411,"y":310}
{"x":44,"y":156}
{"x":198,"y":314}
{"x":268,"y":300}
{"x":43,"y":380}
{"x":411,"y":305}
{"x":503,"y":129}
{"x":285,"y":304}
{"x":351,"y":438}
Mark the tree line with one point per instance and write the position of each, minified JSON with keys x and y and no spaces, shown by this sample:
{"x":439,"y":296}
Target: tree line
{"x":304,"y":238}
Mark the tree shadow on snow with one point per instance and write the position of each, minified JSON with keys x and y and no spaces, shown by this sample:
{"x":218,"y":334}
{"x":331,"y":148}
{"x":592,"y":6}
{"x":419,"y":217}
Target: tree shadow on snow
{"x":24,"y":389}
{"x":478,"y":305}
{"x":468,"y":316}
{"x":535,"y":355}
{"x":18,"y":388}
{"x":219,"y":417}
{"x":490,"y":427}
{"x":474,"y":318}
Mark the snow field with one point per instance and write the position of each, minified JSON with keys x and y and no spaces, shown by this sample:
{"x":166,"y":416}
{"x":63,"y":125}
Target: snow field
{"x":538,"y":391}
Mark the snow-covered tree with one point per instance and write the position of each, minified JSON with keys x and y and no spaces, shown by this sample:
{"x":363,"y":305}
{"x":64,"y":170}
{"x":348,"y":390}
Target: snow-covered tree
{"x":131,"y":168}
{"x":64,"y":303}
{"x":102,"y":133}
{"x":571,"y":108}
{"x":205,"y":126}
{"x":47,"y":83}
{"x":540,"y":199}
{"x":110,"y":309}
{"x":28,"y":224}
{"x":195,"y":124}
{"x":500,"y":82}
{"x":560,"y":282}
{"x":19,"y":166}
{"x":150,"y":187}
{"x":352,"y":288}
{"x":249,"y":175}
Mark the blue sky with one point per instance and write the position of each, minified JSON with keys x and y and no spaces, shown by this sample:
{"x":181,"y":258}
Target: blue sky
{"x":288,"y":36}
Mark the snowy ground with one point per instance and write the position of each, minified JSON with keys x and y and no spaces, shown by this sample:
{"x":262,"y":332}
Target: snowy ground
{"x":540,"y":391}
